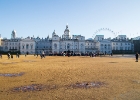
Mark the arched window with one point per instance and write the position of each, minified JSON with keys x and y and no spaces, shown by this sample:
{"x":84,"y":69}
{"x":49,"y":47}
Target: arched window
{"x":55,"y":46}
{"x":31,"y":46}
{"x":23,"y":46}
{"x":27,"y":46}
{"x":68,"y":46}
{"x":6,"y":47}
{"x":81,"y":46}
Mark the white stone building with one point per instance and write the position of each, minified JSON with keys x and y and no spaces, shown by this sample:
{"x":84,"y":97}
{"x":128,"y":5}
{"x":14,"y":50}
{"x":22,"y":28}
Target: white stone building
{"x":122,"y":45}
{"x":75,"y":44}
{"x":27,"y":46}
{"x":103,"y":45}
{"x":90,"y":46}
{"x":43,"y":44}
{"x":12,"y":44}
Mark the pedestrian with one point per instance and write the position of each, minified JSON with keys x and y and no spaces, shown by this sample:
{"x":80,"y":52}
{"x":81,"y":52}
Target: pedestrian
{"x":17,"y":55}
{"x":37,"y":55}
{"x":137,"y":56}
{"x":11,"y":56}
{"x":64,"y":54}
{"x":1,"y":56}
{"x":111,"y":54}
{"x":8,"y":55}
{"x":41,"y":56}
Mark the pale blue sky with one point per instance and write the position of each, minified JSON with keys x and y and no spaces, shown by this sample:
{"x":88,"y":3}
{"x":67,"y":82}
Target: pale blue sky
{"x":41,"y":17}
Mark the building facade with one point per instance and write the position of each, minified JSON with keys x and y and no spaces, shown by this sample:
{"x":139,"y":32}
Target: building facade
{"x":27,"y":46}
{"x":61,"y":44}
{"x":122,"y":45}
{"x":75,"y":44}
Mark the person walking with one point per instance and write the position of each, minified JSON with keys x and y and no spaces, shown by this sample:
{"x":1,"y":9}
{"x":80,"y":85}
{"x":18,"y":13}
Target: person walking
{"x":8,"y":55}
{"x":36,"y":55}
{"x":137,"y":56}
{"x":17,"y":56}
{"x":1,"y":56}
{"x":11,"y":56}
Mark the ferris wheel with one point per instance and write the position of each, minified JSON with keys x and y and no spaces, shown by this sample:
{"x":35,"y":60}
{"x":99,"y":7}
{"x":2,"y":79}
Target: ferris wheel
{"x":105,"y":29}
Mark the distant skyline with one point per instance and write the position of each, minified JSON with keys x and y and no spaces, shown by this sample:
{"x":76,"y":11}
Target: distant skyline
{"x":84,"y":17}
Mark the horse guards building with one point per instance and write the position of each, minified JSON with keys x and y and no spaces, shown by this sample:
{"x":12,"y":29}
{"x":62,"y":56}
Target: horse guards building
{"x":56,"y":45}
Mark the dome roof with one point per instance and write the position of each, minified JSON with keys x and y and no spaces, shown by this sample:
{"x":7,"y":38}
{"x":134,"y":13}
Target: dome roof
{"x":54,"y":33}
{"x":67,"y":28}
{"x":14,"y":32}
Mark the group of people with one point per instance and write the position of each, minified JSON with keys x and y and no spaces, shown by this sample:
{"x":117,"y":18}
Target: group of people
{"x":11,"y":56}
{"x":42,"y":55}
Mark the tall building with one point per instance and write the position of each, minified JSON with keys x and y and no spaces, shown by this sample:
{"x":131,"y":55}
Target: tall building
{"x":75,"y":44}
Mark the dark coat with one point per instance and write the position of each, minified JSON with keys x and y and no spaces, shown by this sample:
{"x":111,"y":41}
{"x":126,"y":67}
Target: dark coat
{"x":137,"y":55}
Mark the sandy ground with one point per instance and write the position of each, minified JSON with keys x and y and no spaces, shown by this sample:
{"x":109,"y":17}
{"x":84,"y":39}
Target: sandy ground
{"x":54,"y":78}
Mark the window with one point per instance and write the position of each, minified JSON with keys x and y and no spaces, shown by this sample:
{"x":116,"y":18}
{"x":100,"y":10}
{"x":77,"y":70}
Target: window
{"x":55,"y":46}
{"x":31,"y":46}
{"x":125,"y":48}
{"x":68,"y":46}
{"x":81,"y":46}
{"x":121,"y":48}
{"x":27,"y":46}
{"x":6,"y":47}
{"x":113,"y":48}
